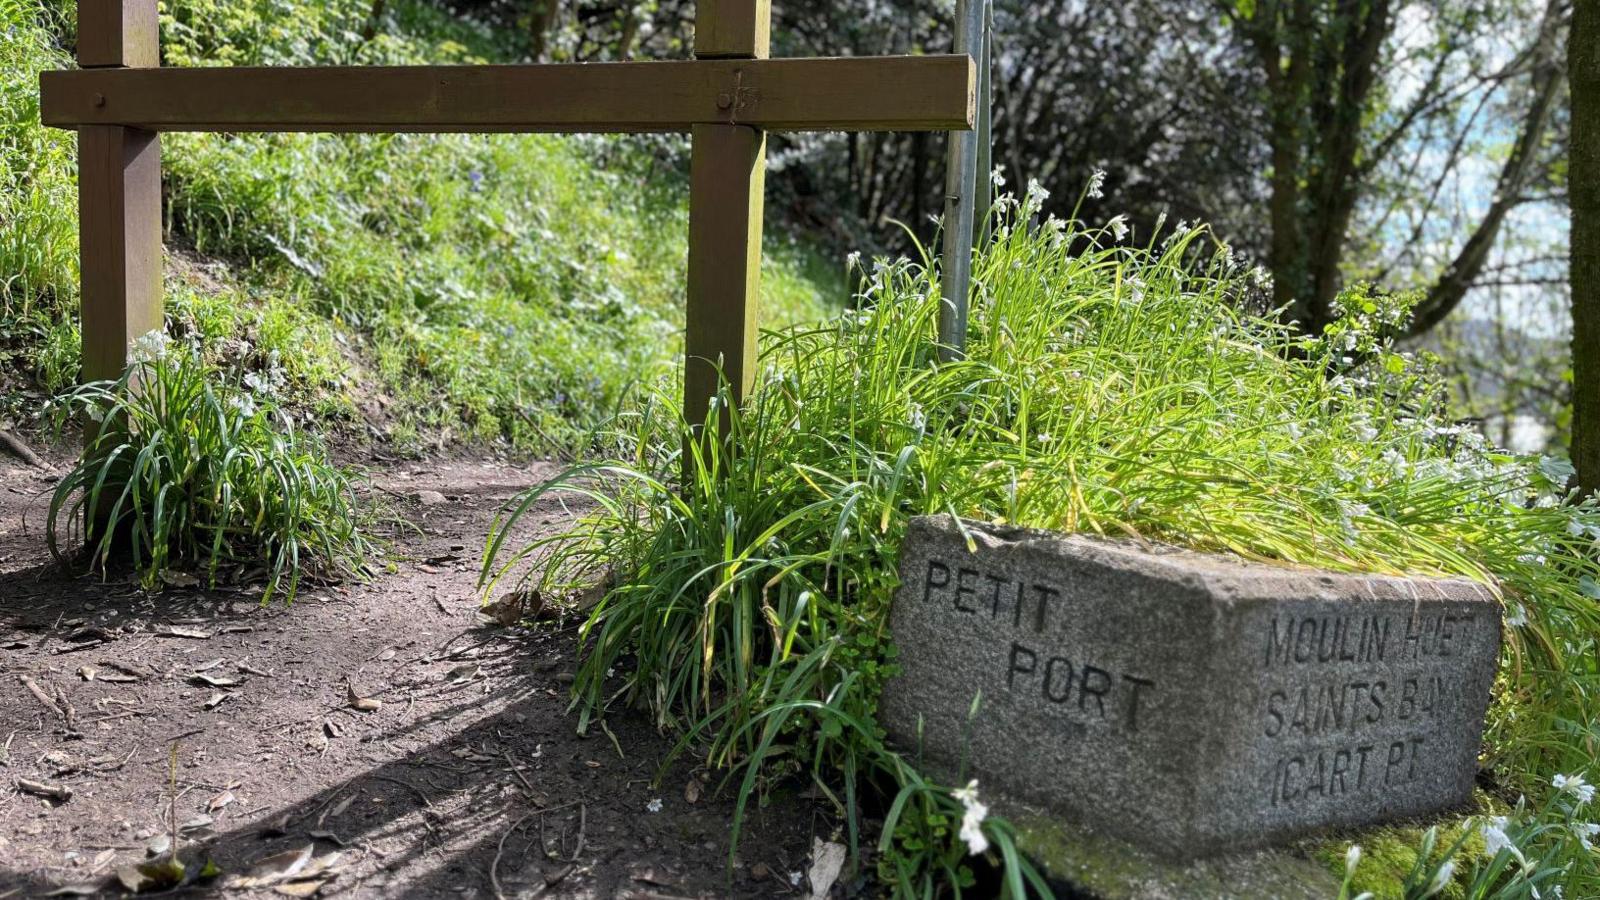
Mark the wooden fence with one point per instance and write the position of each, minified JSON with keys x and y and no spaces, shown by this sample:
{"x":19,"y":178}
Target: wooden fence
{"x":727,"y":98}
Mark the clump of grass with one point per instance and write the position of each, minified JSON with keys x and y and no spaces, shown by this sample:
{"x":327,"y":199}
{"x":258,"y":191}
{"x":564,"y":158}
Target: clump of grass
{"x":187,"y":474}
{"x":1108,"y":389}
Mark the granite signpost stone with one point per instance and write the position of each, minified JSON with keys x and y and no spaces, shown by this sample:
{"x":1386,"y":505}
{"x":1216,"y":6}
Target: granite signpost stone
{"x":1188,"y":703}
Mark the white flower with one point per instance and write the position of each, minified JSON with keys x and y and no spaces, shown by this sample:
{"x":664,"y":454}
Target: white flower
{"x":1136,"y":286}
{"x":853,"y":261}
{"x":1119,"y":228}
{"x":1574,"y":785}
{"x":794,"y":878}
{"x":654,"y":805}
{"x":245,"y":405}
{"x":998,"y":177}
{"x":256,"y":383}
{"x":1096,"y":182}
{"x":1495,"y":838}
{"x":1516,"y":615}
{"x":1396,"y":461}
{"x":1441,"y":878}
{"x":1586,"y":832}
{"x":1036,"y":194}
{"x":149,"y":347}
{"x":972,"y":818}
{"x":1352,"y":858}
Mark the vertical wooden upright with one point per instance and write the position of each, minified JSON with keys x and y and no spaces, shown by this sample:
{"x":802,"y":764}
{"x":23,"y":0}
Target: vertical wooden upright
{"x":119,"y":195}
{"x":727,"y":177}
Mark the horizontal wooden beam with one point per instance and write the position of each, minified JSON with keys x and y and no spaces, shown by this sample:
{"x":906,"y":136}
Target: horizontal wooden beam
{"x":894,"y":93}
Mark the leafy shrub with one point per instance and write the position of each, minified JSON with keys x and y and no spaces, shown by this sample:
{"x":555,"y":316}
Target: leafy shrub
{"x":38,"y":206}
{"x":1119,"y":391}
{"x":184,"y":473}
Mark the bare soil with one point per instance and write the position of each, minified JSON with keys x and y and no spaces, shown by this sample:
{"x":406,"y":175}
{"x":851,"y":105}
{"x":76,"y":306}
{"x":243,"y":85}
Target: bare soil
{"x":469,"y":781}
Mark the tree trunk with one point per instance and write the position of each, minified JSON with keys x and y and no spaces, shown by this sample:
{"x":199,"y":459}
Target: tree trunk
{"x":370,"y":30}
{"x":543,"y":19}
{"x":1583,"y":64}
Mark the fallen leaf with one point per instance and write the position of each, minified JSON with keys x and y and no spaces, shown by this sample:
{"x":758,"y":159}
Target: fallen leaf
{"x":691,"y":791}
{"x":197,"y":823}
{"x":274,"y":869}
{"x":209,"y":681}
{"x":158,"y":845}
{"x":651,"y":875}
{"x":337,"y":810}
{"x":300,"y":888}
{"x":513,"y":607}
{"x":85,"y":889}
{"x":220,"y":801}
{"x":364,"y":704}
{"x":388,"y":654}
{"x":464,"y":673}
{"x":276,"y":828}
{"x":827,"y":859}
{"x":206,"y":667}
{"x":174,"y":631}
{"x":87,"y":673}
{"x":61,"y":763}
{"x":156,"y":875}
{"x":216,"y":700}
{"x":331,"y":728}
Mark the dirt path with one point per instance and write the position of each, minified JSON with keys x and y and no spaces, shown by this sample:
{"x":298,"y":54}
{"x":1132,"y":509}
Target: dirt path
{"x":471,"y":757}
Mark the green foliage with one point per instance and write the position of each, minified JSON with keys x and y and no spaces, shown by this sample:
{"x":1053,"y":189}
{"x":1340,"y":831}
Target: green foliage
{"x":38,"y":206}
{"x":1118,"y":391}
{"x":1539,"y":853}
{"x":189,"y":473}
{"x":507,"y":288}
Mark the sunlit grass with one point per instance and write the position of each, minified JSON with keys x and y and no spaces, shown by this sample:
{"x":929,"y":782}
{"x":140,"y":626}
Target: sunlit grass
{"x":513,"y":290}
{"x":1118,"y":391}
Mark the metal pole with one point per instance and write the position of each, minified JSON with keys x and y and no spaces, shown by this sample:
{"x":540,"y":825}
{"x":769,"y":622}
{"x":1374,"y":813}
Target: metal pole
{"x":959,"y":206}
{"x":985,"y":166}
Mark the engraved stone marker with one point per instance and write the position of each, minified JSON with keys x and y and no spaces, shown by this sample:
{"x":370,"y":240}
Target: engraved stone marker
{"x":1186,"y":702}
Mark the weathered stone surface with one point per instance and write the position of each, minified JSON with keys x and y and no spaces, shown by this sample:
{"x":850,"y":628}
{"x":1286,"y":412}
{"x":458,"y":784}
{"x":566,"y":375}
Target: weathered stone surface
{"x":1189,"y":703}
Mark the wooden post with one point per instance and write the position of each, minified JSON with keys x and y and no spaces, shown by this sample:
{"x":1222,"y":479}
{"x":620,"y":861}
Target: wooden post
{"x":727,"y":176}
{"x":119,"y":196}
{"x":1583,"y":66}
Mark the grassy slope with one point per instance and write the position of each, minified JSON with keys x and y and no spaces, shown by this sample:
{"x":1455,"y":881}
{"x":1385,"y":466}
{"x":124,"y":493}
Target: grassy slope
{"x":488,"y":287}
